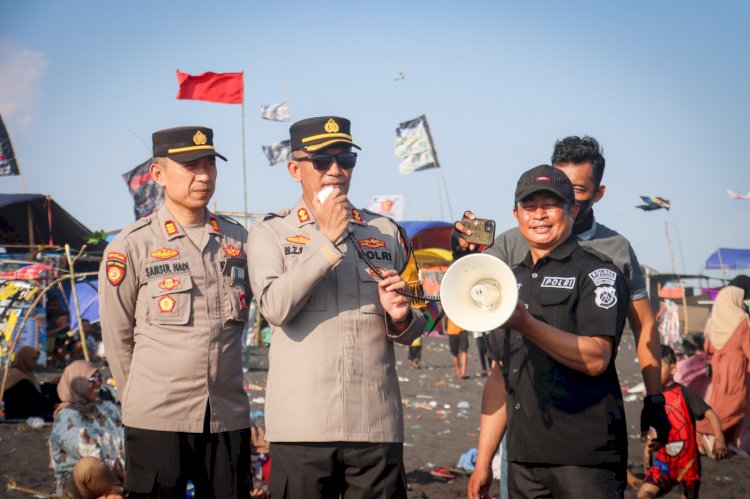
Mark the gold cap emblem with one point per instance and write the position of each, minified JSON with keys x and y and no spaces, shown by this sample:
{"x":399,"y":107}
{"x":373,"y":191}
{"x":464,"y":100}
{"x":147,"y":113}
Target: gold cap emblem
{"x":331,"y":126}
{"x":199,"y":138}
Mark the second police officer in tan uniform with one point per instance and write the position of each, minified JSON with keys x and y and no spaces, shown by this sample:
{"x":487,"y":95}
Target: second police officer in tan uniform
{"x":173,"y":299}
{"x":333,"y":405}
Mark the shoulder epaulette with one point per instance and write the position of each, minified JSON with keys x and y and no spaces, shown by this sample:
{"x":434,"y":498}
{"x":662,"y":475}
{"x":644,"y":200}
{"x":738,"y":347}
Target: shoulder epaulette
{"x":228,"y":219}
{"x":601,"y":256}
{"x":138,"y":224}
{"x":278,"y":213}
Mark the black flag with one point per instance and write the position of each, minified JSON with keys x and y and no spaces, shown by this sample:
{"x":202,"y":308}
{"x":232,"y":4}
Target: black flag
{"x":147,"y":195}
{"x":8,"y":165}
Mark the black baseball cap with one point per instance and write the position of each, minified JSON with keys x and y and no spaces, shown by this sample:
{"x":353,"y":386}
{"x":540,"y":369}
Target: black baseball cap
{"x":185,"y":143}
{"x":313,"y":134}
{"x":545,"y":178}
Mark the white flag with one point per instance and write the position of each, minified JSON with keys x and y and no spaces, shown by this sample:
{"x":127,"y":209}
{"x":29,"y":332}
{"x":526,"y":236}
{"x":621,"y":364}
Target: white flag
{"x":388,"y":205}
{"x":275,"y":112}
{"x":417,"y":162}
{"x":279,"y":152}
{"x":413,"y":143}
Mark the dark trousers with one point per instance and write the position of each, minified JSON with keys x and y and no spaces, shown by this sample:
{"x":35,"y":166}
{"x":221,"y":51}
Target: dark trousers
{"x":560,"y":482}
{"x":337,"y":469}
{"x":483,"y":346}
{"x":160,"y":463}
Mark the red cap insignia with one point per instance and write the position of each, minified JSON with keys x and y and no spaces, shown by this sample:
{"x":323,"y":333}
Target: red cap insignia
{"x":371,"y":242}
{"x":169,"y":283}
{"x":356,"y":215}
{"x":166,"y":304}
{"x":298,"y":239}
{"x":170,"y":227}
{"x":231,"y":250}
{"x":215,"y":225}
{"x":164,"y":253}
{"x":302,"y":215}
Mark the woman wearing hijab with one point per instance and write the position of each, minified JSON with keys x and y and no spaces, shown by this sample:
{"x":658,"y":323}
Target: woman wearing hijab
{"x":23,"y":396}
{"x":84,"y":424}
{"x":728,"y":346}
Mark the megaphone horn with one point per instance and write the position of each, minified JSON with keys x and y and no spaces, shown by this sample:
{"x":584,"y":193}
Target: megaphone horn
{"x":479,"y":292}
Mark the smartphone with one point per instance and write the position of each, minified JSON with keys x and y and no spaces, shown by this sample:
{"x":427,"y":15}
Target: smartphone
{"x":482,"y":231}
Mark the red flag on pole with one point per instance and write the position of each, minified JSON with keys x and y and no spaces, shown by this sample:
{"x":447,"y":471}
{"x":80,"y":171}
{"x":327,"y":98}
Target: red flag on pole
{"x":225,"y":88}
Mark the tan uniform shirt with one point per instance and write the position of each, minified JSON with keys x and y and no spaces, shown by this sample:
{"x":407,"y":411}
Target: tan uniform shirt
{"x":172,"y":316}
{"x":332,"y":374}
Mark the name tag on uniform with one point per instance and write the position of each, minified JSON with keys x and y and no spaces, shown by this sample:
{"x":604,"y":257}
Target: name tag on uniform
{"x":238,"y":273}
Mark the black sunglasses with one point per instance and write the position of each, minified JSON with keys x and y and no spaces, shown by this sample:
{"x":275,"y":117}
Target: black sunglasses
{"x":322,"y":162}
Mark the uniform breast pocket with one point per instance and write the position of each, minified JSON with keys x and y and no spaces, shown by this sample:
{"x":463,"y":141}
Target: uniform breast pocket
{"x":171,"y":300}
{"x":555,"y":303}
{"x":369,"y":298}
{"x":235,"y":299}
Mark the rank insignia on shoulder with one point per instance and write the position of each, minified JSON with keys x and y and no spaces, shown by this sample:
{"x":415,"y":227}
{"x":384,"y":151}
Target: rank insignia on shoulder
{"x":215,"y":225}
{"x":166,"y":304}
{"x":357,"y":215}
{"x":231,"y":250}
{"x":302,"y":215}
{"x":298,"y":239}
{"x":170,"y":227}
{"x":164,"y":253}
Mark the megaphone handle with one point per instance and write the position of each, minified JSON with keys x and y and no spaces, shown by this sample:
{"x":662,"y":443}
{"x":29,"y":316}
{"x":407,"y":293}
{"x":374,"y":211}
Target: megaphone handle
{"x":363,"y":257}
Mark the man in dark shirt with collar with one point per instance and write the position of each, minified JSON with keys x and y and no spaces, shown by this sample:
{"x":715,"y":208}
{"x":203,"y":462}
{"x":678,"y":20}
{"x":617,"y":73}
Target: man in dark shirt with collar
{"x":565,"y":415}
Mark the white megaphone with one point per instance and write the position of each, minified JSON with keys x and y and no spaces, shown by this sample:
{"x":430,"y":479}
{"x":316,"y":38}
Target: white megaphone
{"x":479,"y":292}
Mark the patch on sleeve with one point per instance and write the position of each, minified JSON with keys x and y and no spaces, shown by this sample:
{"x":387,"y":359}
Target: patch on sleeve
{"x":606,"y":294}
{"x":115,"y":267}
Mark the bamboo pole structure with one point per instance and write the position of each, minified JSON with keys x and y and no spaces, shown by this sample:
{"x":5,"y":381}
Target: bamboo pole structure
{"x":14,"y":339}
{"x":74,"y":291}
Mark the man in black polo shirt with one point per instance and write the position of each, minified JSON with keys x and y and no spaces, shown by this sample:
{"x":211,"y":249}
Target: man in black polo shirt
{"x":565,"y":418}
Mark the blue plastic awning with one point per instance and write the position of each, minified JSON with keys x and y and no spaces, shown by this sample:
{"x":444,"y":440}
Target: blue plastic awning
{"x":729,"y":258}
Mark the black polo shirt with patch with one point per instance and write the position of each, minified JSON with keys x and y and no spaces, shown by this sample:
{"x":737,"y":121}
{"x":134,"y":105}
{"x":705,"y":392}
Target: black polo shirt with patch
{"x":558,"y":415}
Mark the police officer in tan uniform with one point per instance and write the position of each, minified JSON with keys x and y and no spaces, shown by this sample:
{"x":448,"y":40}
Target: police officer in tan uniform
{"x":173,"y":298}
{"x":333,"y":405}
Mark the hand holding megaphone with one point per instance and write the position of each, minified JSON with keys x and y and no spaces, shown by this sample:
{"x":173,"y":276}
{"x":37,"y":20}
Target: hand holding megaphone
{"x":332,"y":211}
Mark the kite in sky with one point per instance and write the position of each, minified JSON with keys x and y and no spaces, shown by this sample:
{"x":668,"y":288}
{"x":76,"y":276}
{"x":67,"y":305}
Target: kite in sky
{"x":654,"y":203}
{"x":735,"y":195}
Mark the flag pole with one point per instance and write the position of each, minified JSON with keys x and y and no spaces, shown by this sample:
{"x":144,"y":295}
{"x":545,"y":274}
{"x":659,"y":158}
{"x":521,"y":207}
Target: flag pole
{"x":244,"y":162}
{"x":439,"y":168}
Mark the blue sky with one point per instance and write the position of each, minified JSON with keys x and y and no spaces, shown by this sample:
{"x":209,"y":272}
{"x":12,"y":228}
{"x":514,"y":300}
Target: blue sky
{"x":662,"y":85}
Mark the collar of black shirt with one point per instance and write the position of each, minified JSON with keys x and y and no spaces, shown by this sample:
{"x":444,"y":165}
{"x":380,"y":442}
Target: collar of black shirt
{"x":559,"y":253}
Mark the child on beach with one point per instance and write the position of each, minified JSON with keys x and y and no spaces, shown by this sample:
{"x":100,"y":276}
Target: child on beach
{"x":678,"y":462}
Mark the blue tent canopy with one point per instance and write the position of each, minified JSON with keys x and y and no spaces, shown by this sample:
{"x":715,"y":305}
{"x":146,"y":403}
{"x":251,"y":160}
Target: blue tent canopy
{"x":729,"y":258}
{"x":428,"y":233}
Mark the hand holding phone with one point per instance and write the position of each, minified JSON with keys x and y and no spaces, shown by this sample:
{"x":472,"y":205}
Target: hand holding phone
{"x":482,"y":231}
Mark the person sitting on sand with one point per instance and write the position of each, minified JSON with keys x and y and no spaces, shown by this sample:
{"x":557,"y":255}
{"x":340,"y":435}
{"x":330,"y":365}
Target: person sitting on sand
{"x":84,"y":424}
{"x":24,"y":396}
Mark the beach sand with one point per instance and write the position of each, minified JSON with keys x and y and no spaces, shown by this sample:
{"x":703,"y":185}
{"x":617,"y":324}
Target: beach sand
{"x":437,"y":432}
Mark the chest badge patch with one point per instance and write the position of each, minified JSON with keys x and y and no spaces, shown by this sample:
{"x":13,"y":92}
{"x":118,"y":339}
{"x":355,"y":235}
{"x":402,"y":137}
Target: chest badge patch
{"x":115,"y":267}
{"x":170,"y":283}
{"x":558,"y":282}
{"x":166,"y":304}
{"x":371,"y":242}
{"x":164,"y":253}
{"x":215,"y":225}
{"x":606,"y":294}
{"x":170,"y":227}
{"x":298,"y":239}
{"x":231,"y":250}
{"x":303,"y":216}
